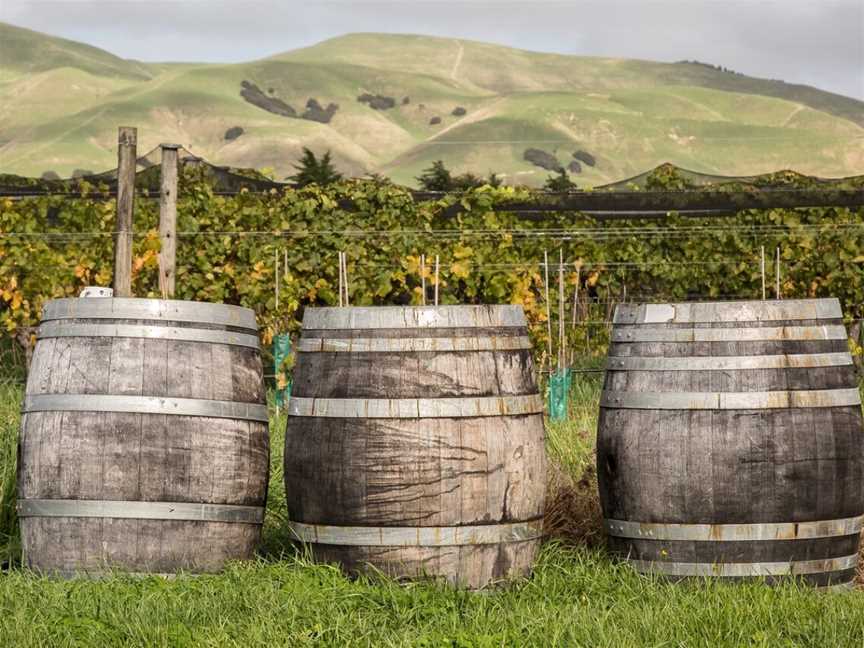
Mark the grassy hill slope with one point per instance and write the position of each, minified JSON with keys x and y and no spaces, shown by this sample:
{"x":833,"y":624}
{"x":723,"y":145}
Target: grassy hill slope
{"x":476,"y":106}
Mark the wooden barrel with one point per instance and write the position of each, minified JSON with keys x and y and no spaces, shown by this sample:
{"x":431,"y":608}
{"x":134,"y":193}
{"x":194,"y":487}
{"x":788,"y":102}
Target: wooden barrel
{"x":144,"y":443}
{"x":415,"y":442}
{"x":730,"y":441}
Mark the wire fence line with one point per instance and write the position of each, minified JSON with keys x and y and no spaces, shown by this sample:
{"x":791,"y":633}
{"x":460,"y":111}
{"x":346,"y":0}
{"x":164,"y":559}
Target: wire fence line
{"x":547,"y":233}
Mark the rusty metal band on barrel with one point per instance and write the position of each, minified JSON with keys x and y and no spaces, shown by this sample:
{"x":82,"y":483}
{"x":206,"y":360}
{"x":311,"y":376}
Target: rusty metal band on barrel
{"x":735,"y":532}
{"x":136,"y":510}
{"x":417,"y":536}
{"x":144,"y":405}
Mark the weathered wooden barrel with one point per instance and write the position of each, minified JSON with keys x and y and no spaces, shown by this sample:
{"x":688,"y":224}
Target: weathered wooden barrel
{"x":730,"y":441}
{"x":415,"y":442}
{"x":144,"y":443}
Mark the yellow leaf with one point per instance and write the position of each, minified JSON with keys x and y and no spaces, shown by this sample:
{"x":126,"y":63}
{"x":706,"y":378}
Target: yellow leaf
{"x":460,"y":269}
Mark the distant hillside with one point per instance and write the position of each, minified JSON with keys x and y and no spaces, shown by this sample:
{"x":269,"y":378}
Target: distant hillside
{"x":395,"y":103}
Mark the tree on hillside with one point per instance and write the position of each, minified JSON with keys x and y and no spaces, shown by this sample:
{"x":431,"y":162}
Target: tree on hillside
{"x":560,"y":182}
{"x":311,"y":170}
{"x":494,"y":180}
{"x":436,"y":178}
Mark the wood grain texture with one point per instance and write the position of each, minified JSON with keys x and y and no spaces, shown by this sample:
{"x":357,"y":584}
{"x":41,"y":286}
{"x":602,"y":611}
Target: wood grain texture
{"x":741,"y":466}
{"x":141,"y":457}
{"x":422,"y":472}
{"x":168,"y":220}
{"x":127,"y":142}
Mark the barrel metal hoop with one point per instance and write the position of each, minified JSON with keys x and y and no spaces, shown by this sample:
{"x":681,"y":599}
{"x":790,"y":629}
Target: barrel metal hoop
{"x":166,"y":310}
{"x":136,"y":510}
{"x":417,"y":536}
{"x":767,"y":334}
{"x":728,"y":363}
{"x":730,"y":400}
{"x":755,"y":569}
{"x":413,"y":317}
{"x":59,"y":329}
{"x":735,"y":532}
{"x":415,"y":407}
{"x":733,"y":311}
{"x":144,"y":405}
{"x":408,"y":345}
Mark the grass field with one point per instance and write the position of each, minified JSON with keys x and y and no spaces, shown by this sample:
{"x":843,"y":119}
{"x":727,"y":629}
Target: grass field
{"x":61,"y":102}
{"x":578,"y":595}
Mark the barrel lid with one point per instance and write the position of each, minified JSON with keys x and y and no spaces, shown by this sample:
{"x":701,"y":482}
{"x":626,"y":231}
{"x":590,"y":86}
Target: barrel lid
{"x":412,"y":317}
{"x":729,"y":311}
{"x":168,"y":310}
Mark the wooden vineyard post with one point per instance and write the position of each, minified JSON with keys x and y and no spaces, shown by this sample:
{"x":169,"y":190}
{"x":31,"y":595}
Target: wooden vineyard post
{"x":127,"y":140}
{"x":561,"y":345}
{"x":168,"y":221}
{"x":777,"y":273}
{"x":548,"y":307}
{"x":763,"y":273}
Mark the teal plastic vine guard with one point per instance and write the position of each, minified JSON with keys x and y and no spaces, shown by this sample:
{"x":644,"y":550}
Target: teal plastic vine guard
{"x":558,"y":393}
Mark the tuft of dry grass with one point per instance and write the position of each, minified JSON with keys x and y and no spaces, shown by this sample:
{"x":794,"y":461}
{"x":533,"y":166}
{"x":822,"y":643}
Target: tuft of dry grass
{"x":573,"y":513}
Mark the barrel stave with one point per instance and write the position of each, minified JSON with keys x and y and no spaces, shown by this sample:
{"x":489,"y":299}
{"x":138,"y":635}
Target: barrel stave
{"x":414,"y":375}
{"x":470,"y":566}
{"x":416,"y":472}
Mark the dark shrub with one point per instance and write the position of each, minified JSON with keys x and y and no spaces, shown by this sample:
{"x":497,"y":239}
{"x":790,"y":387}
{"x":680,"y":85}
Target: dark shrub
{"x":233,"y":133}
{"x":585,"y":156}
{"x":378,"y":102}
{"x":542,"y":159}
{"x":254,"y":95}
{"x":314,"y":111}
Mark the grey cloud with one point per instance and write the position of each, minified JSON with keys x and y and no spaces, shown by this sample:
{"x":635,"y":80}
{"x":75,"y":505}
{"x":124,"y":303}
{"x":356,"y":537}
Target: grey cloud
{"x":817,"y":43}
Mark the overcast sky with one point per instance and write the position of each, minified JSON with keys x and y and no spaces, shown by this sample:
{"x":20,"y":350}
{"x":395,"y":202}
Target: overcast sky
{"x":817,"y":42}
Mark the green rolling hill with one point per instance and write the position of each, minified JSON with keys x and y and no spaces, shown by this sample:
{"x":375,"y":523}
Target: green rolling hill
{"x":476,"y":106}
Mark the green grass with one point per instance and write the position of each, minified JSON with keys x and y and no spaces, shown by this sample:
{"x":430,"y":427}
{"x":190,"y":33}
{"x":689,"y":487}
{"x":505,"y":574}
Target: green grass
{"x":578,"y":595}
